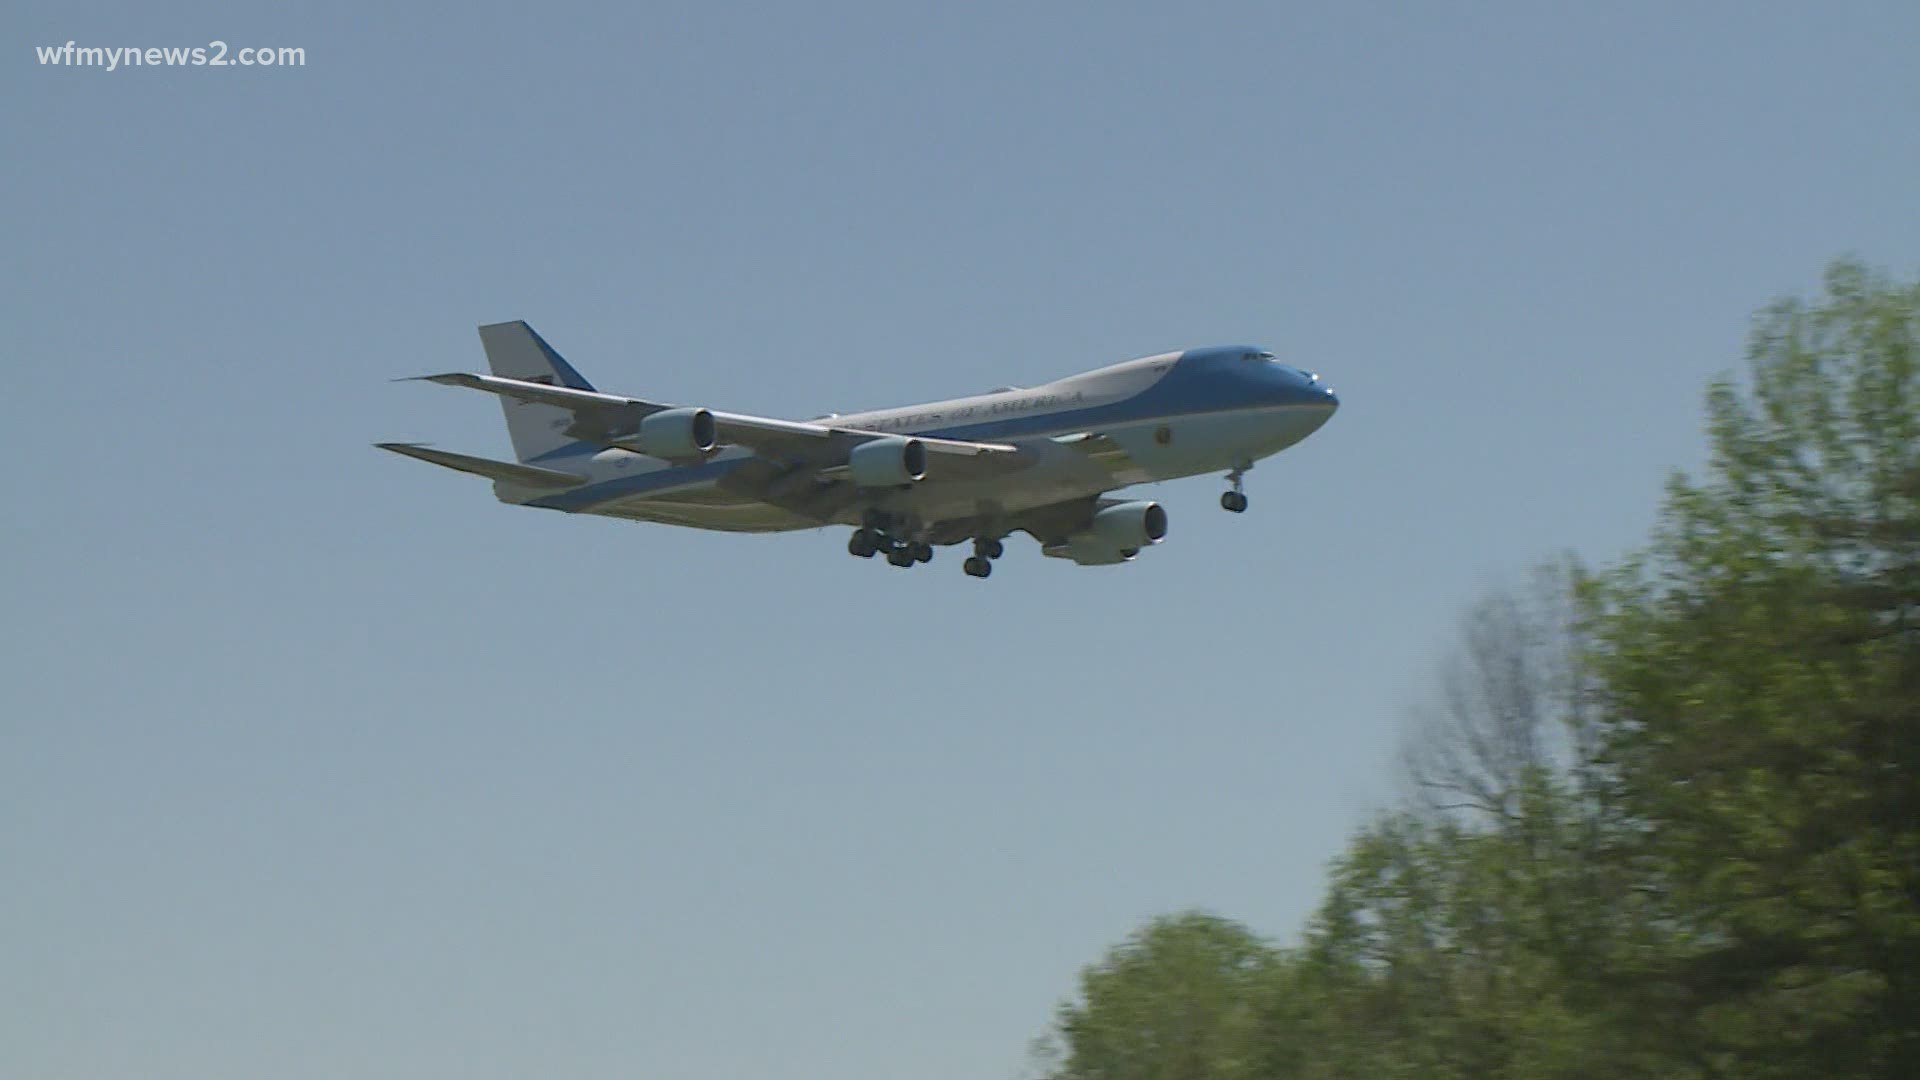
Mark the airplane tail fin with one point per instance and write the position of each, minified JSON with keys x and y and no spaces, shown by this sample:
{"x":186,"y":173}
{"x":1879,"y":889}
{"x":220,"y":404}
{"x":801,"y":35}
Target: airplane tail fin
{"x":514,"y":351}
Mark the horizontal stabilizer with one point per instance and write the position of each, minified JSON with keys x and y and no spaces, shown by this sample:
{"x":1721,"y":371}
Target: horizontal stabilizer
{"x":524,"y":475}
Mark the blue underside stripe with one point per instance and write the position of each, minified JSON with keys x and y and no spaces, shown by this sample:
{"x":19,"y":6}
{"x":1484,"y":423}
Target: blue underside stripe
{"x":627,"y":487}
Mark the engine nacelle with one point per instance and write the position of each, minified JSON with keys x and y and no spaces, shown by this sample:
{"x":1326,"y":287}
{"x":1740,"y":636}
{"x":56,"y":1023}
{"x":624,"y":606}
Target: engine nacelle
{"x":889,"y":462}
{"x":1130,"y":526}
{"x":677,"y":434}
{"x":1116,"y":535}
{"x":1086,"y":550}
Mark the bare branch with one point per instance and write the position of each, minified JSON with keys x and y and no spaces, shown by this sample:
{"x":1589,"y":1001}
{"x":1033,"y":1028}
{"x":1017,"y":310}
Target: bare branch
{"x":1508,"y":705}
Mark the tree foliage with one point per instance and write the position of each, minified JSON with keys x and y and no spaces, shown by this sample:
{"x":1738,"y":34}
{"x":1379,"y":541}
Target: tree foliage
{"x":1761,"y":663}
{"x":1668,"y":816}
{"x":1180,"y":1000}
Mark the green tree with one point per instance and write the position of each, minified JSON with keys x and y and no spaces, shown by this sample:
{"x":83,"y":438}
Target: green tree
{"x":1515,"y":842}
{"x":1669,"y":830}
{"x":1761,"y":729}
{"x":1179,"y":1000}
{"x":1449,"y":951}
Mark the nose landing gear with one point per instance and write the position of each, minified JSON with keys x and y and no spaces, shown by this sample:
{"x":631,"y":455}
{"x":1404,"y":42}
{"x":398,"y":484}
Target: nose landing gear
{"x":1235,"y":501}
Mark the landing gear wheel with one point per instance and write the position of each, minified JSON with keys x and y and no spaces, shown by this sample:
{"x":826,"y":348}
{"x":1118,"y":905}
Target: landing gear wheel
{"x":1235,"y":501}
{"x":921,"y":551}
{"x":988,"y":549}
{"x":901,"y":556}
{"x":976,"y":566}
{"x":863,"y":544}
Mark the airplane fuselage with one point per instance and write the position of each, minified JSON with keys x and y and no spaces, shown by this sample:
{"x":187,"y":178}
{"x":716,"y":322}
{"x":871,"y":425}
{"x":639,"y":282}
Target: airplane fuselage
{"x":1156,"y":418}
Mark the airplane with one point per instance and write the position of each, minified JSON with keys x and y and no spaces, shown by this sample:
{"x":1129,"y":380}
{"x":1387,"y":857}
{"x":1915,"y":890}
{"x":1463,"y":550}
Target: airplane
{"x":1040,"y":460}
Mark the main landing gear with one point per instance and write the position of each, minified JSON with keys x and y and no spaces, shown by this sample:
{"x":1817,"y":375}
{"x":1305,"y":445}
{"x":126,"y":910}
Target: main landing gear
{"x":866,"y":543}
{"x":985,"y":550}
{"x":877,"y":536}
{"x":1235,"y":501}
{"x":874,"y":538}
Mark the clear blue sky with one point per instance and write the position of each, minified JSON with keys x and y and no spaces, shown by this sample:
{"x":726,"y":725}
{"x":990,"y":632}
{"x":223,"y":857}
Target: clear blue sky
{"x":317,"y":762}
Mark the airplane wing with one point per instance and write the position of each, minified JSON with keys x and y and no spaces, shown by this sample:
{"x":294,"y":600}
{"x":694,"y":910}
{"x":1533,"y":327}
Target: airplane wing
{"x":612,"y":420}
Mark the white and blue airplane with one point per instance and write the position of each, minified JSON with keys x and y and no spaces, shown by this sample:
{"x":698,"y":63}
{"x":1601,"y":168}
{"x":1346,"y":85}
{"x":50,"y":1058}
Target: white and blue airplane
{"x":1039,"y":460}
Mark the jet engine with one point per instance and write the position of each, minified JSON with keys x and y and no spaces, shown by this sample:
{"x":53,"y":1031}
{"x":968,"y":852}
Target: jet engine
{"x":677,"y":434}
{"x":1116,"y":535}
{"x":889,"y":462}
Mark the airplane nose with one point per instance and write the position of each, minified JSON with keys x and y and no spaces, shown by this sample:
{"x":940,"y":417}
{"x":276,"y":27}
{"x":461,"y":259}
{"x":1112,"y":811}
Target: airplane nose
{"x":1332,"y":399}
